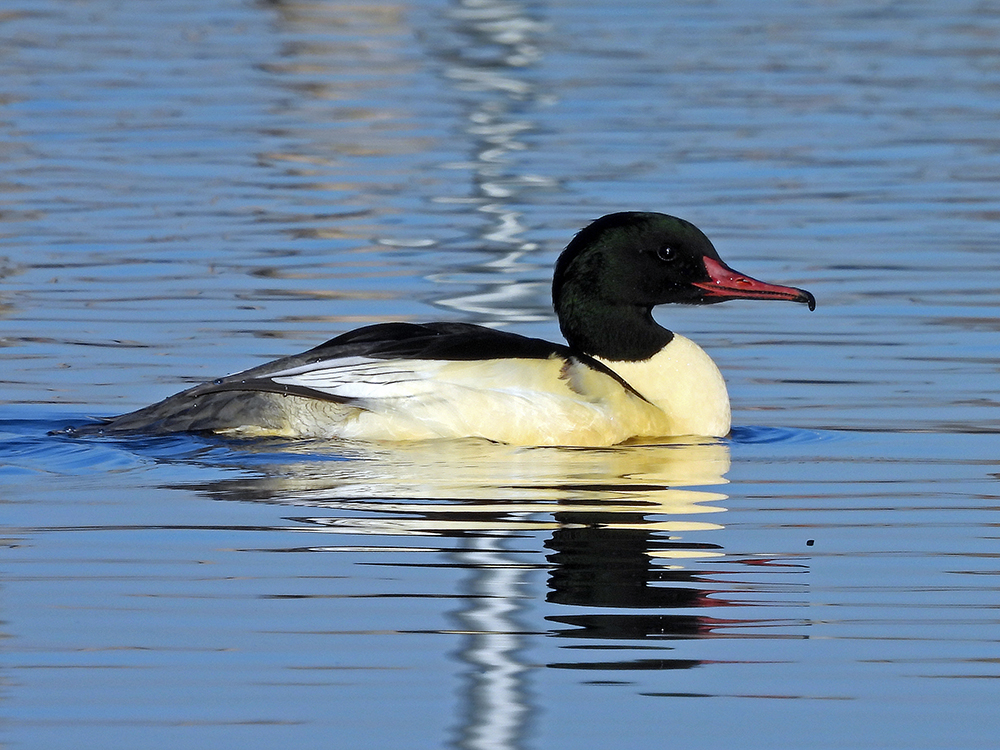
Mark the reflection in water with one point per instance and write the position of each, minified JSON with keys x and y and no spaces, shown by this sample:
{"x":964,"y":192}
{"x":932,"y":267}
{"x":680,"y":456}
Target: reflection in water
{"x":344,"y":151}
{"x":505,"y":486}
{"x":497,"y":702}
{"x":628,"y":533}
{"x":612,"y":515}
{"x":487,"y":51}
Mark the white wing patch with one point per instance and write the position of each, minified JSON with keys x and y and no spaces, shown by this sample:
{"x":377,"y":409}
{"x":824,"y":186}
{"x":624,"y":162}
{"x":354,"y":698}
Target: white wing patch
{"x":364,"y":378}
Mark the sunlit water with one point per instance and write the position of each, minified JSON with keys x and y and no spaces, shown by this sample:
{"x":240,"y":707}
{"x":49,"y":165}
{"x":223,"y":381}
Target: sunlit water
{"x":193,"y":192}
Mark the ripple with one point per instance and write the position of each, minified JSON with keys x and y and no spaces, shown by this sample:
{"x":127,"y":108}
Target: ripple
{"x":753,"y":435}
{"x":50,"y":445}
{"x":26,"y":447}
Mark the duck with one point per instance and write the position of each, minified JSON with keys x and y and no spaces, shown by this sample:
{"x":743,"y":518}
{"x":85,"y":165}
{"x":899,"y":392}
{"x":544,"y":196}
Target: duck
{"x":620,"y":376}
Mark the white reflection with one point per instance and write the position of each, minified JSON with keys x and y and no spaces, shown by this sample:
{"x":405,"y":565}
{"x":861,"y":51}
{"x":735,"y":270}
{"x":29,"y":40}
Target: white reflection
{"x":496,"y":701}
{"x":509,"y":483}
{"x":495,"y":43}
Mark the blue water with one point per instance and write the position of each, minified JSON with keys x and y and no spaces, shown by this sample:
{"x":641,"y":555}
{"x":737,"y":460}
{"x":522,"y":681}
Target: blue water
{"x":195,"y":191}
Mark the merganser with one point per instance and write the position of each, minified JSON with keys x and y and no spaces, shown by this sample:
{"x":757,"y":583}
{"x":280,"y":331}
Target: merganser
{"x":619,"y":376}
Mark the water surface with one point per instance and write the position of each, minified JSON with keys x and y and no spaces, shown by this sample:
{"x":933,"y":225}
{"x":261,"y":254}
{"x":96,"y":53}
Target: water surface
{"x":188,"y":195}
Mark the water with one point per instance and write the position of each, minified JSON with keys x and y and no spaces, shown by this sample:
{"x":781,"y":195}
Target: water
{"x":193,"y":193}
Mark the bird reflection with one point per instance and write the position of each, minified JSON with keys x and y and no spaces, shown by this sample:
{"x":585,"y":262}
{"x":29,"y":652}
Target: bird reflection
{"x":629,"y":538}
{"x":438,"y":487}
{"x":619,"y":524}
{"x":595,"y":566}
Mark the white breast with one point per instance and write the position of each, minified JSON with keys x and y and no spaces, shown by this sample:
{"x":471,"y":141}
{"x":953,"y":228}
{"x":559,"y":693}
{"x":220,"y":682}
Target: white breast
{"x":686,"y":384}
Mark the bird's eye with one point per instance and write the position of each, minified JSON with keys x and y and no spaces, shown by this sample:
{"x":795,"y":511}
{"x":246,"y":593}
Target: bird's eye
{"x":666,"y":253}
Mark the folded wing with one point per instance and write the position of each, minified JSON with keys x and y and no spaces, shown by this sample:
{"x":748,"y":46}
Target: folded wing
{"x":408,"y":381}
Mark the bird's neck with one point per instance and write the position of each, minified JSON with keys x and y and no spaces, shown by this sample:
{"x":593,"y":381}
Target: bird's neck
{"x":611,"y":331}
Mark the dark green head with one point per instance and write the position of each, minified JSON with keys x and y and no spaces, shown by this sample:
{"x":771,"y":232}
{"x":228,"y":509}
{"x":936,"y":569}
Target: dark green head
{"x":617,"y":269}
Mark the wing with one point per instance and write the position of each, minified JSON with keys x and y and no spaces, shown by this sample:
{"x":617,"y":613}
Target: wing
{"x":449,"y":341}
{"x":411,"y":381}
{"x":395,"y":359}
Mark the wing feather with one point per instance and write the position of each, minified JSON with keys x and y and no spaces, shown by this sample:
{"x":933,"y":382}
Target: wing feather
{"x":395,"y":359}
{"x":408,"y":381}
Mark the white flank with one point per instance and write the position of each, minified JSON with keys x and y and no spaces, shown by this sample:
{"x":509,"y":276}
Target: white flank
{"x":550,"y":401}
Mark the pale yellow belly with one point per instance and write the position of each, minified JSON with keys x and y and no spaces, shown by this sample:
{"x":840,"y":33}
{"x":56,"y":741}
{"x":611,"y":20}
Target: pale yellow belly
{"x":512,"y":420}
{"x":553,"y":401}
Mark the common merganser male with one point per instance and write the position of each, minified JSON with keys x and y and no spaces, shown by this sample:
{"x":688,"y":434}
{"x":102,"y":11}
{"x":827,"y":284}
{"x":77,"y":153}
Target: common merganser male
{"x":619,"y":376}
